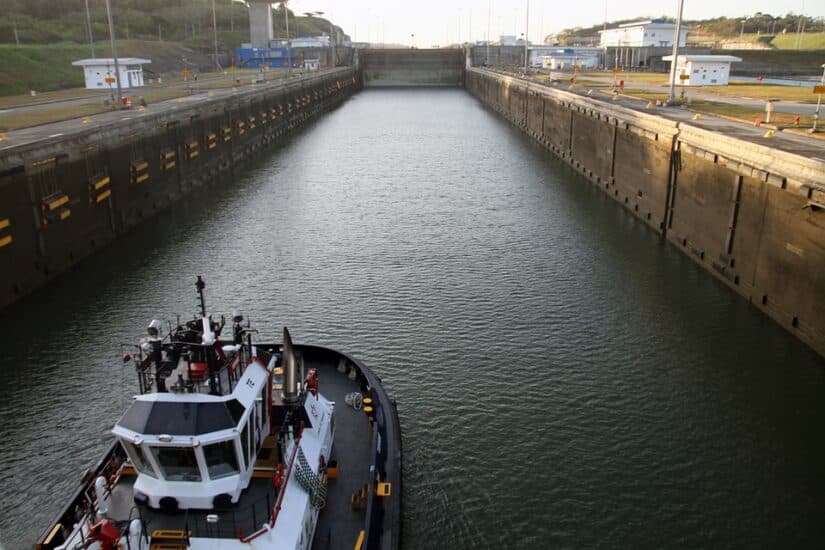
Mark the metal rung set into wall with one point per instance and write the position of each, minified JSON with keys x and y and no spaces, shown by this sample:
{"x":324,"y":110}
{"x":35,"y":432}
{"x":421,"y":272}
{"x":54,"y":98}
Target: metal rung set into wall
{"x":167,"y":159}
{"x":99,"y":189}
{"x":138,"y":171}
{"x":192,"y":149}
{"x":55,"y":207}
{"x":5,"y":232}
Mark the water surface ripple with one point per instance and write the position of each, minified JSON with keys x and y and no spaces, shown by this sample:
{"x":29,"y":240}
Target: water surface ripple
{"x":564,"y":378}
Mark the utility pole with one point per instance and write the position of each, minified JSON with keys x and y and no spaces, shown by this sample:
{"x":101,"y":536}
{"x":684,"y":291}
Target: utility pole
{"x":89,"y":29}
{"x":114,"y":53}
{"x":489,"y":17}
{"x":526,"y":36}
{"x":160,"y":36}
{"x":672,"y":97}
{"x":215,"y":36}
{"x":818,"y":101}
{"x":799,"y":26}
{"x":332,"y":39}
{"x":16,"y":36}
{"x":288,"y":45}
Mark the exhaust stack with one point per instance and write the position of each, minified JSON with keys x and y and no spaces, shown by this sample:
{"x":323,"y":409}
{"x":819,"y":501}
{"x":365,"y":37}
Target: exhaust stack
{"x":290,"y":365}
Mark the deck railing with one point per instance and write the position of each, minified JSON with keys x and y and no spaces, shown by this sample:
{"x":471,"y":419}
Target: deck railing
{"x":231,"y":522}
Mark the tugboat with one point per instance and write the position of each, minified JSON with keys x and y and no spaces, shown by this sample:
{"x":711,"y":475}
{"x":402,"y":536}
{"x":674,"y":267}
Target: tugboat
{"x":232,"y":443}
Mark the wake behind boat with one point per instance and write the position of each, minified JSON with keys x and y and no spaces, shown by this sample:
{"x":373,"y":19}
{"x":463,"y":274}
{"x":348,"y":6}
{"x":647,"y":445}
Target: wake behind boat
{"x":232,"y":443}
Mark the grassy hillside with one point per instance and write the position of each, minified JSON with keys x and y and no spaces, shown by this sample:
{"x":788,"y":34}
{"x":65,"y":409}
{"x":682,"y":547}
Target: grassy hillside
{"x":49,"y":67}
{"x":23,"y":68}
{"x":727,"y":27}
{"x":777,"y":62}
{"x":174,"y":34}
{"x":810,"y":41}
{"x":51,"y":21}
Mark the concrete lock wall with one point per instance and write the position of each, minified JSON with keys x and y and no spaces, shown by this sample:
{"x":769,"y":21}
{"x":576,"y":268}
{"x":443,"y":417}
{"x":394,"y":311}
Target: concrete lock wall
{"x":63,"y":198}
{"x":412,"y":67}
{"x":753,"y":216}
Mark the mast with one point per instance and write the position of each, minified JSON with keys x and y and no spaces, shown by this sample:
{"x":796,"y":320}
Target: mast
{"x":200,"y":285}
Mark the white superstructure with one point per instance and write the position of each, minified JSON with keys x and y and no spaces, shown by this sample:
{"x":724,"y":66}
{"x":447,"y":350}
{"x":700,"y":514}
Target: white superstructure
{"x":655,"y":33}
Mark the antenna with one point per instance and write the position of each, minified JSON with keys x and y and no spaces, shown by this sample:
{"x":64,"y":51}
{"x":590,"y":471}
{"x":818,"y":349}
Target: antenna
{"x":200,"y":285}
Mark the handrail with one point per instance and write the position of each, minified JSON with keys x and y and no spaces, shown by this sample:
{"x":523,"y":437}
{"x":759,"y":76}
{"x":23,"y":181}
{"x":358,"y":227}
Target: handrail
{"x":241,"y":518}
{"x":76,"y":509}
{"x":274,"y":514}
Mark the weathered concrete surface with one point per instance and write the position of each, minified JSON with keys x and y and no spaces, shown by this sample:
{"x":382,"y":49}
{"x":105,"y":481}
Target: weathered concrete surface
{"x":63,"y":197}
{"x":408,"y":67}
{"x":752,"y":215}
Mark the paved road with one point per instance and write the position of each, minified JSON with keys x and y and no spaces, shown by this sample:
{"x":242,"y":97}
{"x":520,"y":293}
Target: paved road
{"x":96,"y":96}
{"x":803,"y":109}
{"x":805,"y":145}
{"x":58,"y":130}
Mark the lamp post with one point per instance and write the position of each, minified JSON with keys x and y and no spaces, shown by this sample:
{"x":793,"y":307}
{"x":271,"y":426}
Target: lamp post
{"x":818,"y":101}
{"x":742,"y":32}
{"x":331,"y":39}
{"x":114,"y":53}
{"x":412,"y":41}
{"x":672,"y":97}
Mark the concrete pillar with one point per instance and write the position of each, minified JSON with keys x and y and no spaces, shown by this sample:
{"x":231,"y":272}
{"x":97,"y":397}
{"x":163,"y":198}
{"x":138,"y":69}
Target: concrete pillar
{"x":260,"y":24}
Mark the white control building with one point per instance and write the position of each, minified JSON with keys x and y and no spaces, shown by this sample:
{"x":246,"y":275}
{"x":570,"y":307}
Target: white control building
{"x":100,"y":73}
{"x":703,"y":70}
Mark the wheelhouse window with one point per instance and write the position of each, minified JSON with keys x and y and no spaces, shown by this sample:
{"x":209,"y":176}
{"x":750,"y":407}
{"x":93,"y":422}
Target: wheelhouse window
{"x":221,"y":460}
{"x":136,"y":456}
{"x":177,"y":463}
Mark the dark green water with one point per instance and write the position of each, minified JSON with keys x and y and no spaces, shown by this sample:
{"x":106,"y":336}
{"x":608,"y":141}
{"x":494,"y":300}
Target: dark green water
{"x":564,"y":378}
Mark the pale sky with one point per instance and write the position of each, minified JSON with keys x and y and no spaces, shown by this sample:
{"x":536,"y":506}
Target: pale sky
{"x":437,"y":22}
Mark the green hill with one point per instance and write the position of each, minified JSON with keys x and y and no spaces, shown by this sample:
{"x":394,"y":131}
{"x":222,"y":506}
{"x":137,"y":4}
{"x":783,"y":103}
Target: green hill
{"x":40,"y":38}
{"x":808,"y":41}
{"x":52,"y":21}
{"x":728,"y":27}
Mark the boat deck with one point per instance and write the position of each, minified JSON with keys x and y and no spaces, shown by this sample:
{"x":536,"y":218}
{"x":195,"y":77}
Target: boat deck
{"x":339,"y":524}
